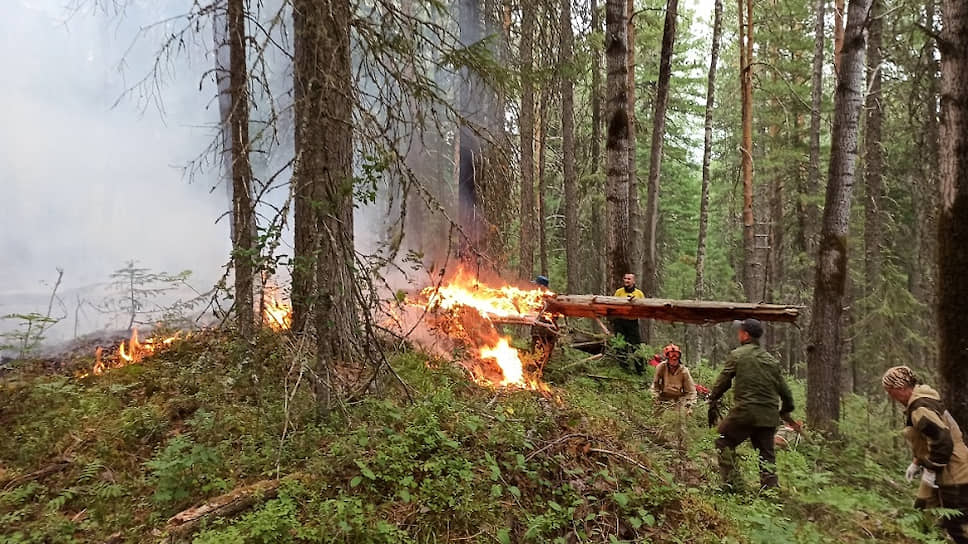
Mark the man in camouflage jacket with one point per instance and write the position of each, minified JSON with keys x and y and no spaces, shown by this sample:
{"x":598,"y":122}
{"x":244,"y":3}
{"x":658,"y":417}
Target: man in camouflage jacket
{"x":760,"y":399}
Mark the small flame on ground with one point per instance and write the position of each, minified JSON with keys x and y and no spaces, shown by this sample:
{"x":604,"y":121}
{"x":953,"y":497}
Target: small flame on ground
{"x":508,"y":359}
{"x":276,"y":310}
{"x":134,"y":352}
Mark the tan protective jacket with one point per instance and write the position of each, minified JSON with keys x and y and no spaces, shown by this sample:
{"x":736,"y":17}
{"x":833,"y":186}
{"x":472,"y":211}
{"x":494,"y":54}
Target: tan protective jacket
{"x":937,"y":443}
{"x":676,"y":385}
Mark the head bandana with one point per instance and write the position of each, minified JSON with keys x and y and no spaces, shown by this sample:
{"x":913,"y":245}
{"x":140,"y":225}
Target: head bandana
{"x":899,"y":377}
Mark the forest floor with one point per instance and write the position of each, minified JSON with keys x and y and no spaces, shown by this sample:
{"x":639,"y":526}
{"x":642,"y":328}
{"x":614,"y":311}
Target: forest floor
{"x":111,"y":458}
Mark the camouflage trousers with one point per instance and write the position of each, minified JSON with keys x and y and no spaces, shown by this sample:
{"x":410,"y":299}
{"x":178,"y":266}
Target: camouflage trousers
{"x":731,"y":435}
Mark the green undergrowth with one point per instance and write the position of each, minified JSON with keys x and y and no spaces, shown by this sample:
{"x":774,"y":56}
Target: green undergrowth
{"x":590,"y":462}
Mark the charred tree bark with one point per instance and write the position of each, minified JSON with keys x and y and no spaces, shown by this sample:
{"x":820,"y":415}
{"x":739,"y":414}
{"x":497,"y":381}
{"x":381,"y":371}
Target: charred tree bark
{"x":596,"y":98}
{"x":873,"y":155}
{"x":616,"y":143}
{"x":469,"y":172}
{"x":325,"y":137}
{"x":235,"y":127}
{"x":572,"y":229}
{"x":752,"y":267}
{"x":953,"y":220}
{"x":526,"y":127}
{"x":650,"y":266}
{"x":707,"y":150}
{"x":824,"y":353}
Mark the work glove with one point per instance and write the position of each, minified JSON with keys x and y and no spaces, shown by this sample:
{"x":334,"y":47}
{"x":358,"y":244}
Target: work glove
{"x":912,"y":472}
{"x":929,"y":477}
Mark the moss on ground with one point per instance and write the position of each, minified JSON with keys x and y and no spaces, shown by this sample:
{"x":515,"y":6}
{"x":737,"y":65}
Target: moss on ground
{"x":592,"y":462}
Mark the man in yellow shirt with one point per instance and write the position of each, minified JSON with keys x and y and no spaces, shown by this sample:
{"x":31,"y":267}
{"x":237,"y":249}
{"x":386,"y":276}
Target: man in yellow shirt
{"x":629,"y":328}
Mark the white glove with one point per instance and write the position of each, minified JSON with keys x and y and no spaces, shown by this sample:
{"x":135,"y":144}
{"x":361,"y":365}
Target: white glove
{"x":912,"y":471}
{"x":928,"y":477}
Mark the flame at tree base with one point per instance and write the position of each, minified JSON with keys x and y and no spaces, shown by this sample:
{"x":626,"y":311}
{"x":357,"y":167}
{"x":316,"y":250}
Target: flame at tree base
{"x":461,"y":308}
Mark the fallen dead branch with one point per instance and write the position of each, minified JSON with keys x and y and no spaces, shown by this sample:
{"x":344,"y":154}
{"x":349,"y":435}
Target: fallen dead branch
{"x":629,"y":460}
{"x":238,"y":500}
{"x":52,"y":468}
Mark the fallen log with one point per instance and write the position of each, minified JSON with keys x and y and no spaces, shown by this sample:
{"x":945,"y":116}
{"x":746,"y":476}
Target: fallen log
{"x":188,"y":521}
{"x":52,"y":468}
{"x":684,"y":311}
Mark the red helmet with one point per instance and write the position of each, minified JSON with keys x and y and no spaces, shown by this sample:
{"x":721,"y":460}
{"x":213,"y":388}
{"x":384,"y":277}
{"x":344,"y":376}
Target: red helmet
{"x":671,"y":348}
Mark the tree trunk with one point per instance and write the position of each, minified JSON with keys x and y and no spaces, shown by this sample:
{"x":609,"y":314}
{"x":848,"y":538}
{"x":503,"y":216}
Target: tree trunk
{"x":616,"y":143}
{"x":650,"y":264}
{"x":635,"y":212}
{"x":469,"y":151}
{"x":235,"y":127}
{"x":707,"y":149}
{"x":526,"y":126}
{"x":322,"y":70}
{"x":596,"y":98}
{"x":542,"y":138}
{"x":953,"y":220}
{"x":752,"y":269}
{"x":824,"y":353}
{"x":838,"y":35}
{"x":873,"y":156}
{"x":572,"y":228}
{"x":806,"y":208}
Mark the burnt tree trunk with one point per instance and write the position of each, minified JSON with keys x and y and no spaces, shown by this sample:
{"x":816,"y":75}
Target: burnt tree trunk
{"x":650,"y":265}
{"x":570,"y":176}
{"x":616,"y":143}
{"x":953,"y":219}
{"x":824,"y":353}
{"x":234,"y":106}
{"x":752,"y":267}
{"x":526,"y":127}
{"x":707,"y":150}
{"x":325,"y":137}
{"x":469,"y":168}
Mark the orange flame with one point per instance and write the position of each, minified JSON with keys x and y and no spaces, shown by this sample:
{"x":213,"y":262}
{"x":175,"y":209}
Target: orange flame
{"x":133,"y":353}
{"x":463,"y":308}
{"x":276,"y":311}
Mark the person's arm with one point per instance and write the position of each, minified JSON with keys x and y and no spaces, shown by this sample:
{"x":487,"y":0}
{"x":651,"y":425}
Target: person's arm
{"x":724,"y":381}
{"x":689,"y":388}
{"x":657,"y":380}
{"x":937,"y":435}
{"x":786,"y":401}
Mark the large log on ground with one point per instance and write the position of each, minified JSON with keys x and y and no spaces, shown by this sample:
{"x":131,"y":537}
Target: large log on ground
{"x":684,"y":311}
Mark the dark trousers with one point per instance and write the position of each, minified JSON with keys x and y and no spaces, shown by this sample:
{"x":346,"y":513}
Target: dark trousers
{"x":731,"y":435}
{"x":629,"y":329}
{"x":955,"y":497}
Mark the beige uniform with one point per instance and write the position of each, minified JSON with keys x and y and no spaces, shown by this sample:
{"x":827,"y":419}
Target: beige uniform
{"x":677,"y":385}
{"x":938,"y":445}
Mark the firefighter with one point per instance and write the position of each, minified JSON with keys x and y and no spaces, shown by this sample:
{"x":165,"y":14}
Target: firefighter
{"x":760,"y":399}
{"x":629,"y":328}
{"x":673,"y":383}
{"x":543,"y":336}
{"x":940,"y":454}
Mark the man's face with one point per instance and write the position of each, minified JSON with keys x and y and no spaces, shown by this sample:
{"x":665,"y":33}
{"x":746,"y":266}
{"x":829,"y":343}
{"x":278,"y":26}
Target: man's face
{"x":902,"y":396}
{"x":628,"y":280}
{"x":743,"y":336}
{"x":674,"y":358}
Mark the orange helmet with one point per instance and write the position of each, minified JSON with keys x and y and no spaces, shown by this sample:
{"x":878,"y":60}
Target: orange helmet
{"x":671,"y":348}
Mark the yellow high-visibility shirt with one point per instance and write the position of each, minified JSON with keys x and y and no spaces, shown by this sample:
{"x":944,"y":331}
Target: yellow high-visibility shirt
{"x":634,"y":294}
